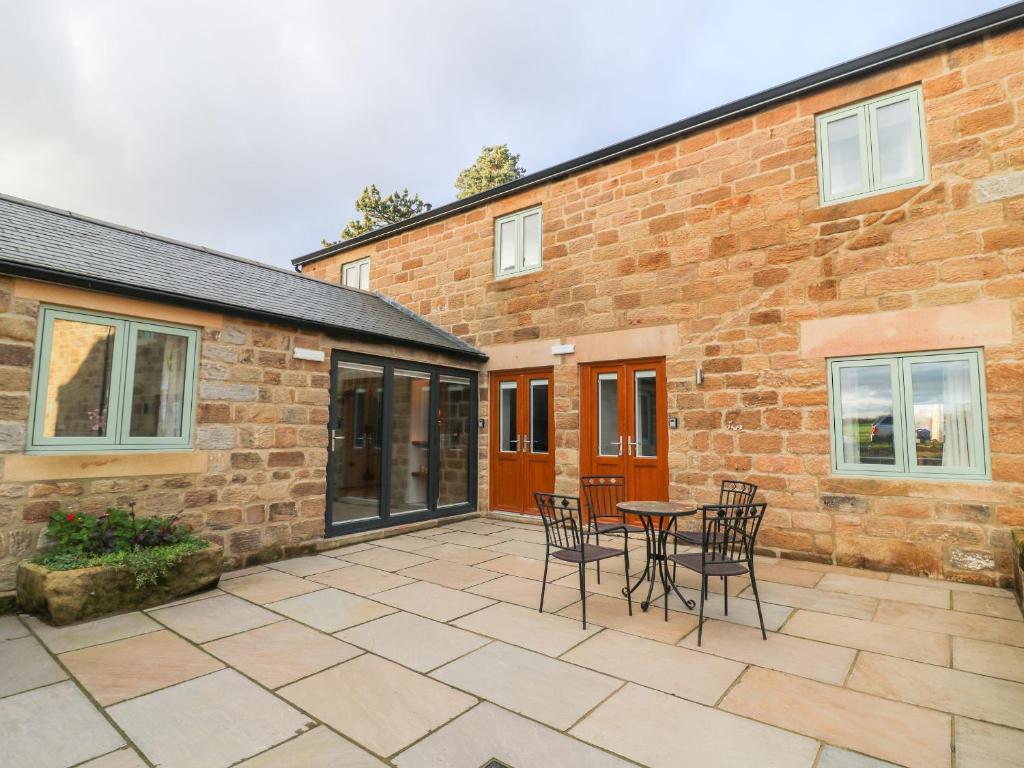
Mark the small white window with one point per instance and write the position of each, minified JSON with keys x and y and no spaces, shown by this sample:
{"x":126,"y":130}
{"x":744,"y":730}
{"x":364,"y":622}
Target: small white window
{"x":517,"y":243}
{"x":356,"y":274}
{"x":872,"y":147}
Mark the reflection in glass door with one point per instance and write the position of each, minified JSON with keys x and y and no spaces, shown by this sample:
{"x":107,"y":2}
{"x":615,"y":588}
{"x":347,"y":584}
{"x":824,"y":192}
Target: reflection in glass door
{"x":355,"y":442}
{"x":402,"y":442}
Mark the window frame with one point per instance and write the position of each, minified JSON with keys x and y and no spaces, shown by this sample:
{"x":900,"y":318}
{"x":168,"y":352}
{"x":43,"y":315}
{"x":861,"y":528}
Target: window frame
{"x":866,"y":112}
{"x":519,"y":217}
{"x":906,"y":466}
{"x":119,"y":402}
{"x":357,"y":264}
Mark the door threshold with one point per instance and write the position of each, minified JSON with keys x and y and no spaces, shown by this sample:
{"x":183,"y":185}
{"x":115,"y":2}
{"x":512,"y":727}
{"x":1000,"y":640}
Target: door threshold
{"x":514,"y":517}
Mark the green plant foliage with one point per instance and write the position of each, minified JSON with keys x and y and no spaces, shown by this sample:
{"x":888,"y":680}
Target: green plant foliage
{"x":495,"y":166}
{"x":147,"y":546}
{"x":380,"y":211}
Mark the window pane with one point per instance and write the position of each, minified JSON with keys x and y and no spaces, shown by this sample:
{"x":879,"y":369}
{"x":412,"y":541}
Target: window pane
{"x":844,"y":156}
{"x":944,"y":414}
{"x":898,"y":146}
{"x":539,"y":416}
{"x":410,"y":441}
{"x":364,"y":275}
{"x":507,"y":246}
{"x":78,"y":381}
{"x":509,"y":437}
{"x":453,"y":482}
{"x":158,"y":389}
{"x":608,"y":443}
{"x":531,"y":241}
{"x":866,"y":409}
{"x":356,"y":442}
{"x":646,"y":413}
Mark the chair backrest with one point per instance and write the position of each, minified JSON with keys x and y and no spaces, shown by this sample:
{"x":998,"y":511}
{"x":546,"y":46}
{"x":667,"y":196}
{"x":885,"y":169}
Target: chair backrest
{"x":736,"y":492}
{"x":730,"y":531}
{"x":561,"y":517}
{"x":603,"y":494}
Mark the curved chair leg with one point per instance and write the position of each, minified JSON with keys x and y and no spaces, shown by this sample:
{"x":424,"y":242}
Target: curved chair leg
{"x":700,"y":620}
{"x":583,"y":591}
{"x":757,"y":601}
{"x":543,"y":583}
{"x":629,"y":593}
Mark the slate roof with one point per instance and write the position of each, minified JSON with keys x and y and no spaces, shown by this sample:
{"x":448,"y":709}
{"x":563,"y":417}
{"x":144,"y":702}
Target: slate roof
{"x":59,"y":246}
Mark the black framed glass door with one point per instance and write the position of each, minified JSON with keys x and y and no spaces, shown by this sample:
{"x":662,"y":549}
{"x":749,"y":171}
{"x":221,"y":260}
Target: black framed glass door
{"x":402,"y":442}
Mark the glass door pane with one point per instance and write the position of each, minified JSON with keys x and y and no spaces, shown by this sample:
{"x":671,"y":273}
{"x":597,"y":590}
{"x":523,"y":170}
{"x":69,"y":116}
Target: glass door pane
{"x":539,"y":428}
{"x":410,"y":442}
{"x":509,"y":435}
{"x":609,"y":442}
{"x":453,"y":469}
{"x":356,"y":442}
{"x":645,"y":405}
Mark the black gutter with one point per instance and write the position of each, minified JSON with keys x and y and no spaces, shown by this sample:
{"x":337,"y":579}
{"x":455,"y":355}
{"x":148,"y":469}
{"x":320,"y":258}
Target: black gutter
{"x":1007,"y":16}
{"x":134,"y":291}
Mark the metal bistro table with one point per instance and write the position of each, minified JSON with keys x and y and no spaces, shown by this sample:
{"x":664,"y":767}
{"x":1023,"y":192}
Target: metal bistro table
{"x":659,"y":520}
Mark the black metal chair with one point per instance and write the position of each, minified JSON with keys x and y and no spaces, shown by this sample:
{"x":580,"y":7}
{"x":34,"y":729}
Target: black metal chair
{"x":565,"y":541}
{"x":729,"y":533}
{"x":731,"y":493}
{"x":603,"y":494}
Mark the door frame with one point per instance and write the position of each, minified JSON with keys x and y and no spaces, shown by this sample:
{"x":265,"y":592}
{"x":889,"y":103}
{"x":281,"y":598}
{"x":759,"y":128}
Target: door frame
{"x":433,"y":511}
{"x":493,"y":433}
{"x":588,"y":420}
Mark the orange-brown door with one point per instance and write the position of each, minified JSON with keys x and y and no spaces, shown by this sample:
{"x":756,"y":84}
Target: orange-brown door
{"x":522,"y":438}
{"x":624,"y":425}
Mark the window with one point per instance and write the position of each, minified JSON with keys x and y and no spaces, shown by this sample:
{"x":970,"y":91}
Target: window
{"x":110,"y":383}
{"x":920,"y":415}
{"x":517,"y":243}
{"x":876,"y":146}
{"x":356,"y":274}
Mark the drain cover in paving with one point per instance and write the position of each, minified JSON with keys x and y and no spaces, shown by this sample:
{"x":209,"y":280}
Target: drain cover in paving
{"x":495,"y":763}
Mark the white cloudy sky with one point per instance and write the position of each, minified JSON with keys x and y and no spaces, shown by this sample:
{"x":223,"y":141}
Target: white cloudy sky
{"x":251,"y":126}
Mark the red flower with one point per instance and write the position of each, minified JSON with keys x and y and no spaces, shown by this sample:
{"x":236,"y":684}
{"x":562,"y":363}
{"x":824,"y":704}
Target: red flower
{"x":71,"y":517}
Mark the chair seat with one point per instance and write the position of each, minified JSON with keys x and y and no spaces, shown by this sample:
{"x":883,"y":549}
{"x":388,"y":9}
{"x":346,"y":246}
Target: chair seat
{"x":590,"y":554}
{"x":692,"y":560}
{"x":610,"y":525}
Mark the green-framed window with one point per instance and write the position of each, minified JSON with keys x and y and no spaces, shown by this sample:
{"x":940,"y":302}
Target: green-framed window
{"x":911,"y":415}
{"x":872,"y":147}
{"x":518,"y":247}
{"x":108,"y":383}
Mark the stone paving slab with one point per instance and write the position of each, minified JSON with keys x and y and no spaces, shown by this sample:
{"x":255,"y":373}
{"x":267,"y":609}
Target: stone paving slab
{"x":318,"y":748}
{"x":413,"y":641}
{"x":217,"y":617}
{"x":330,"y":610}
{"x":983,"y":745}
{"x":24,"y":665}
{"x":73,"y":636}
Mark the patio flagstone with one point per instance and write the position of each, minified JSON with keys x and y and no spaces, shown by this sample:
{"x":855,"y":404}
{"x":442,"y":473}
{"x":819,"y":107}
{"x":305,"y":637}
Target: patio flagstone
{"x":529,"y":683}
{"x":854,"y":606}
{"x":330,"y":610}
{"x":25,"y":664}
{"x":413,"y":641}
{"x":269,"y":586}
{"x":136,"y":665}
{"x":11,"y":628}
{"x":521,"y":548}
{"x":611,"y":612}
{"x":385,"y":559}
{"x":951,"y":622}
{"x":361,"y":580}
{"x":60,"y":639}
{"x":471,"y":539}
{"x":988,"y":605}
{"x":487,"y":732}
{"x":983,"y":745}
{"x":53,"y":727}
{"x":217,"y":617}
{"x":888,"y":590}
{"x":834,"y":757}
{"x":433,"y":600}
{"x":123,"y":758}
{"x":900,"y":733}
{"x":526,"y":592}
{"x":308,"y":566}
{"x":318,"y":748}
{"x":405,"y":543}
{"x":377,"y":703}
{"x":281,"y":653}
{"x":912,"y":644}
{"x":527,"y":568}
{"x":807,"y":658}
{"x":210,"y":722}
{"x":992,"y":659}
{"x":949,"y":690}
{"x":542,"y":632}
{"x":663,"y":731}
{"x":456,"y":553}
{"x":449,"y":574}
{"x":679,"y":671}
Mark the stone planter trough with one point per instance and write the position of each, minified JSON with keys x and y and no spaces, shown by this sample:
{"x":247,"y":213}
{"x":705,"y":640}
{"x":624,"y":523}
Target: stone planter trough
{"x":67,"y":596}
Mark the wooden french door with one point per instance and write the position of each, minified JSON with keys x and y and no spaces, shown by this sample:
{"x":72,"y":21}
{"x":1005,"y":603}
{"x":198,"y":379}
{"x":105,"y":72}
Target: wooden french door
{"x":522,"y":438}
{"x":624,"y":425}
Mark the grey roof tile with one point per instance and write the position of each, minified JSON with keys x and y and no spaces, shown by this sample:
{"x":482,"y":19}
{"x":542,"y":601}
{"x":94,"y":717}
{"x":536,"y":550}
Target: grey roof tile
{"x":39,"y":241}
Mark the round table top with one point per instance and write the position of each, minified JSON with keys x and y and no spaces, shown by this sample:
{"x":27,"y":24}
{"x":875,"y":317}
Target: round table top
{"x":656,"y":508}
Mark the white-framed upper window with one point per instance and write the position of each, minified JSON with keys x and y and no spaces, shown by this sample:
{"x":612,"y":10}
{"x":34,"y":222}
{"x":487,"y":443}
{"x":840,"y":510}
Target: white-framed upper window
{"x":910,"y":415}
{"x":517,"y":243}
{"x":105,"y":383}
{"x":871,"y":147}
{"x":356,"y":274}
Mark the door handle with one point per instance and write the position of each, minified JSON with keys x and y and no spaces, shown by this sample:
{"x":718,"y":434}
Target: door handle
{"x":334,"y":438}
{"x":620,"y":445}
{"x":631,"y":444}
{"x":527,"y":445}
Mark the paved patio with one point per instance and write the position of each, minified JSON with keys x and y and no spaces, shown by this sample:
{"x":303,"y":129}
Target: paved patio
{"x":426,"y":649}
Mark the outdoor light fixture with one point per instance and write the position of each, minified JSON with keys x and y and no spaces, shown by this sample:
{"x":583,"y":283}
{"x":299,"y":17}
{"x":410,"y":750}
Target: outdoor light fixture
{"x":700,"y":376}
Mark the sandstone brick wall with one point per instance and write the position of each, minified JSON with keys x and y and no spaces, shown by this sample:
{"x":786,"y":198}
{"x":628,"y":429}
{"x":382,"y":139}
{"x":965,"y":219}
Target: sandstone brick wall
{"x":722,"y":234}
{"x":261,"y":427}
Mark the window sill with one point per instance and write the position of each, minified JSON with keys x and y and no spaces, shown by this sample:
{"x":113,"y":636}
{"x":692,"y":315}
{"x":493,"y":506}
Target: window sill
{"x":86,"y":465}
{"x":935,"y":478}
{"x":515,"y":281}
